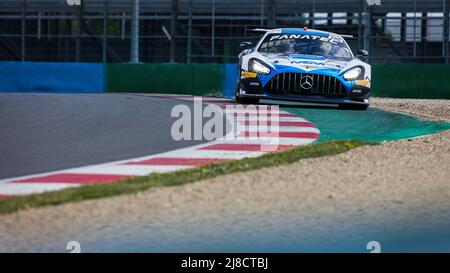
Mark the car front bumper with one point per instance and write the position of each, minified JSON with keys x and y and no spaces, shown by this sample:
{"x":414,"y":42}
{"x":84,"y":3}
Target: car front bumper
{"x":253,"y":88}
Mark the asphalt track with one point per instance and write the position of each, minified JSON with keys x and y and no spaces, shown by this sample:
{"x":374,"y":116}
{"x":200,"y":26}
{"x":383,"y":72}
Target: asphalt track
{"x":48,"y":132}
{"x":112,"y":137}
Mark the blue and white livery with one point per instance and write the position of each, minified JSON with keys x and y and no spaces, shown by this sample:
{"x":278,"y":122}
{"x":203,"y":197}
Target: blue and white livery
{"x":303,"y":65}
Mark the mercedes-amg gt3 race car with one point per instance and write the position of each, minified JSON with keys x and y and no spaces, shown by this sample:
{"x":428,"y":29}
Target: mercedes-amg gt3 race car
{"x":303,"y":65}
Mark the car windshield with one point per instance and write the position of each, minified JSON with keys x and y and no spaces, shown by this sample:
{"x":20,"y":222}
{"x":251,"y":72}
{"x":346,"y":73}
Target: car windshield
{"x":301,"y":44}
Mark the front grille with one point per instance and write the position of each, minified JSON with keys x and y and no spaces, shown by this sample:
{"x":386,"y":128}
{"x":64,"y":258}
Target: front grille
{"x":290,"y":83}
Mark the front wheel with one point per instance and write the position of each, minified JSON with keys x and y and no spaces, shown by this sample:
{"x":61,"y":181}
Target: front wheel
{"x":347,"y":106}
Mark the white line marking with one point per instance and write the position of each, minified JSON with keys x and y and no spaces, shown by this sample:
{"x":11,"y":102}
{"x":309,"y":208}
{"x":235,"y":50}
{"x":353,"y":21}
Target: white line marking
{"x":30,"y":188}
{"x":268,"y":119}
{"x":133,"y":170}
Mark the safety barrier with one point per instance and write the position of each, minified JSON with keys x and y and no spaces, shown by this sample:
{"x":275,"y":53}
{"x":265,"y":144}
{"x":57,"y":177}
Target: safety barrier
{"x":51,"y":77}
{"x":431,"y":81}
{"x":420,"y":81}
{"x":194,"y":79}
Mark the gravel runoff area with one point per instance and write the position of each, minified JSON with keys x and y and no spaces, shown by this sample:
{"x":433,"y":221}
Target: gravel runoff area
{"x":432,"y":110}
{"x":403,"y":180}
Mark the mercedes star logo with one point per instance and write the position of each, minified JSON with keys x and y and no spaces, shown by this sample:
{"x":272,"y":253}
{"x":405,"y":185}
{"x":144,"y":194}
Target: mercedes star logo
{"x":306,"y":82}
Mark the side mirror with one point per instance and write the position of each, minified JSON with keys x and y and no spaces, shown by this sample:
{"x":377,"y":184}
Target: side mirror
{"x":246,"y":45}
{"x":362,"y":53}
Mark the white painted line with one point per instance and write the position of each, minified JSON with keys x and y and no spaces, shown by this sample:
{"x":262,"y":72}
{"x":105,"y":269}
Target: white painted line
{"x":272,"y":141}
{"x":195,"y":153}
{"x":30,"y":188}
{"x":133,"y":170}
{"x":254,"y":128}
{"x":269,"y":119}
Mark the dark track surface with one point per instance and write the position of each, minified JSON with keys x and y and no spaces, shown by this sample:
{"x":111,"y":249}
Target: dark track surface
{"x":49,"y":132}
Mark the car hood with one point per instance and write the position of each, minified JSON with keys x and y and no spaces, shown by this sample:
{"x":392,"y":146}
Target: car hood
{"x":305,"y":62}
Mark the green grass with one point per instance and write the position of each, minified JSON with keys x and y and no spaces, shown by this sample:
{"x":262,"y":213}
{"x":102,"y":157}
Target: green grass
{"x":137,"y":184}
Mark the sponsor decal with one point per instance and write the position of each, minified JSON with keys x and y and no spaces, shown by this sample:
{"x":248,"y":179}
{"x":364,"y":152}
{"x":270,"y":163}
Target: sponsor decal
{"x":247,"y":74}
{"x":330,"y":39}
{"x":308,"y":62}
{"x":365,"y":83}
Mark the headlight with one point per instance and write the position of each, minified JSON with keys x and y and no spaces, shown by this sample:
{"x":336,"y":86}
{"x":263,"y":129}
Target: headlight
{"x":353,"y":74}
{"x":258,"y":67}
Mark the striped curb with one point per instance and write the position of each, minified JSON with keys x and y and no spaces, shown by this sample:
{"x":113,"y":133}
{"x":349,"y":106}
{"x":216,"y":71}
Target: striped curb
{"x":249,"y":138}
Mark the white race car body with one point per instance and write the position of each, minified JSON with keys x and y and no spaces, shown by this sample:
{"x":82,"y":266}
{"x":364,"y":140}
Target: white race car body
{"x":303,"y":65}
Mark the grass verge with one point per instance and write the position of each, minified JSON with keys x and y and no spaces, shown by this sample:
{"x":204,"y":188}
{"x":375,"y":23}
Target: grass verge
{"x":141,"y":183}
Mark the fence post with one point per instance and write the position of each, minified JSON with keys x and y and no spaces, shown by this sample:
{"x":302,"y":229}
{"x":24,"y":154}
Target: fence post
{"x":189,"y":43}
{"x":135,"y":33}
{"x":105,"y":32}
{"x":173,"y":30}
{"x":446,"y":30}
{"x":23,"y":31}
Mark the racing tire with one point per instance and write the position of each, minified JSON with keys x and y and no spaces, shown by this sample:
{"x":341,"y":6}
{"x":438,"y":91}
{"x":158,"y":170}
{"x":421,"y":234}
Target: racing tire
{"x":360,"y":107}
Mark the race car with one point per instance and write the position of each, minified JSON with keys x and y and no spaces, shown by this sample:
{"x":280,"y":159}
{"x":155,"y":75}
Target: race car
{"x":301,"y":64}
